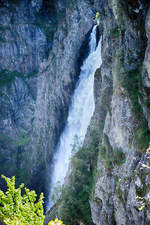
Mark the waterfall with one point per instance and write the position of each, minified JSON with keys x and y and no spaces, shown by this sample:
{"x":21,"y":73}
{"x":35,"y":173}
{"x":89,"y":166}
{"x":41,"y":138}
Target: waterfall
{"x":80,"y":113}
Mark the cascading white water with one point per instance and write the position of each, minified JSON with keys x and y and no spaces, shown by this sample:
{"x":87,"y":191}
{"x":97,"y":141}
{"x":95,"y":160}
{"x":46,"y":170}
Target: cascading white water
{"x":80,"y":113}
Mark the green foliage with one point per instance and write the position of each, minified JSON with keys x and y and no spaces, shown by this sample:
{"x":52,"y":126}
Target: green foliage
{"x":2,"y":39}
{"x":142,"y":137}
{"x":142,"y":192}
{"x":106,"y":157}
{"x":131,"y":80}
{"x":23,"y":140}
{"x":16,"y":208}
{"x":141,"y":202}
{"x":75,"y":207}
{"x":4,"y":138}
{"x":111,"y":157}
{"x":56,"y":193}
{"x":133,"y":83}
{"x":97,"y":172}
{"x":120,"y":194}
{"x":2,"y":32}
{"x":76,"y":145}
{"x":7,"y":77}
{"x":119,"y":156}
{"x":97,"y":18}
{"x":115,"y":32}
{"x":56,"y":222}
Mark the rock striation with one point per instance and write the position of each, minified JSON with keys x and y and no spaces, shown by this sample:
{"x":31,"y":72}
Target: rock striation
{"x":121,"y":116}
{"x":42,"y":45}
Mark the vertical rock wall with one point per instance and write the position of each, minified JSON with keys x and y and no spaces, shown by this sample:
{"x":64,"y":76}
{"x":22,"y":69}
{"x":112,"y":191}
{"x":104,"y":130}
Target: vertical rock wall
{"x":122,"y":116}
{"x":40,"y":49}
{"x":23,"y":46}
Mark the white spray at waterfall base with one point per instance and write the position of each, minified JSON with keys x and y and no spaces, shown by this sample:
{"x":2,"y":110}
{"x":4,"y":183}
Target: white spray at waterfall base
{"x":80,"y":113}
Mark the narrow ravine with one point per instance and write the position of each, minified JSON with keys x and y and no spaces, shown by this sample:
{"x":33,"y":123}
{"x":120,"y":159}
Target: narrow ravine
{"x":80,"y":113}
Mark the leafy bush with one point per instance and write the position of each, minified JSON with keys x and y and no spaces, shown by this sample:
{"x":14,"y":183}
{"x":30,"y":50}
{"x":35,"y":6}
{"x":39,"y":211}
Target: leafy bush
{"x":16,"y":208}
{"x":75,"y":207}
{"x":97,"y":18}
{"x":56,"y":222}
{"x":7,"y":77}
{"x":133,"y":84}
{"x":111,"y":157}
{"x":106,"y":158}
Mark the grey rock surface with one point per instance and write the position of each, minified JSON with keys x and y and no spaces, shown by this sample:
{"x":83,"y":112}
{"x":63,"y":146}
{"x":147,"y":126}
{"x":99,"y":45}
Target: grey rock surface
{"x":41,"y":50}
{"x":124,"y":48}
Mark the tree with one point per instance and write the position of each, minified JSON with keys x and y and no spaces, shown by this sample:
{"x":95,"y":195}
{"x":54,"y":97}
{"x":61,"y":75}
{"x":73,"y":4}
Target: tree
{"x":17,"y":208}
{"x":56,"y":222}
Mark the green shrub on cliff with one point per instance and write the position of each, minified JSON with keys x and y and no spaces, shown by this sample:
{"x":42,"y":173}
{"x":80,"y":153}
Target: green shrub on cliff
{"x":75,"y":206}
{"x":97,"y":18}
{"x":17,"y":208}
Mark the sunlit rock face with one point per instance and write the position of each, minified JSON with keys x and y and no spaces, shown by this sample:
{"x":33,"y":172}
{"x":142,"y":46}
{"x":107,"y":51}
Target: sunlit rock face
{"x":121,"y":119}
{"x":122,"y":116}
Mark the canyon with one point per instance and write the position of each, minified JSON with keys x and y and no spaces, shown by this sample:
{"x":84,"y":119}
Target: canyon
{"x":43,"y":45}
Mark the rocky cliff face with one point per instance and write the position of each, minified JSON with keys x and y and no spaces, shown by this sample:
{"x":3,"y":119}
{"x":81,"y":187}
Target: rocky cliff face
{"x":23,"y":46}
{"x":122,"y":116}
{"x":42,"y":44}
{"x":58,"y":75}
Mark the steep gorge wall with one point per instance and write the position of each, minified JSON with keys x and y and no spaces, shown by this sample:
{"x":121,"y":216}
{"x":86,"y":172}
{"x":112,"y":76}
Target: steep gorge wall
{"x":42,"y":44}
{"x":122,"y":116}
{"x":120,"y":125}
{"x":57,"y":79}
{"x":23,"y":46}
